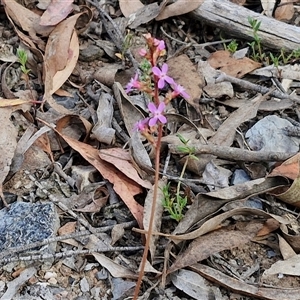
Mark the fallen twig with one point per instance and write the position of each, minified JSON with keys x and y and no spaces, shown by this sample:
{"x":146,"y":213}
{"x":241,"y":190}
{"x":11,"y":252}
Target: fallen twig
{"x":256,"y":87}
{"x":236,"y":154}
{"x":67,"y":254}
{"x":55,"y":239}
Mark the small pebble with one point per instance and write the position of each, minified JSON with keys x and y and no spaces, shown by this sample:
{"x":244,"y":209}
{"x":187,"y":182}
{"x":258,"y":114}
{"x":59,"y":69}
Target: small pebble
{"x":2,"y":285}
{"x":91,"y":266}
{"x":52,"y":281}
{"x":84,"y":285}
{"x":101,"y":275}
{"x":95,"y":292}
{"x":49,"y":275}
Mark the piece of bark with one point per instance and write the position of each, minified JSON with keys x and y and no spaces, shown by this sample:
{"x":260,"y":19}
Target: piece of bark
{"x":233,"y":19}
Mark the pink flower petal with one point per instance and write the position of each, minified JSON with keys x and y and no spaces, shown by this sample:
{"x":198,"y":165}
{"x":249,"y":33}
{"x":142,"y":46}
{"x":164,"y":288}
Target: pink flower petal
{"x":129,"y":86}
{"x":169,"y":79}
{"x":161,"y":83}
{"x":133,"y":83}
{"x":162,"y":119}
{"x":152,"y":121}
{"x":185,"y":95}
{"x":143,"y":52}
{"x":141,"y":125}
{"x":156,"y":42}
{"x":152,"y":107}
{"x":161,"y":107}
{"x":164,"y":68}
{"x":156,"y":71}
{"x":179,"y":90}
{"x":161,"y":45}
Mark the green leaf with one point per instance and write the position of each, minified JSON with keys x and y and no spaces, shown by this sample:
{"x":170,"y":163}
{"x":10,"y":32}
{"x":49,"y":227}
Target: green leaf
{"x":183,"y":149}
{"x":182,"y":139}
{"x":194,"y":157}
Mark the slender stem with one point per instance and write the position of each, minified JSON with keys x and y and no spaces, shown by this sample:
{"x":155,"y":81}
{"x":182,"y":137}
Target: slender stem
{"x":260,"y":50}
{"x":149,"y":232}
{"x":181,"y":174}
{"x":156,"y":95}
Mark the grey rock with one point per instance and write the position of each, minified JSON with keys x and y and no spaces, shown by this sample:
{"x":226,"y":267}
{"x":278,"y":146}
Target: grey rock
{"x":24,"y":223}
{"x":268,"y":134}
{"x":91,"y":53}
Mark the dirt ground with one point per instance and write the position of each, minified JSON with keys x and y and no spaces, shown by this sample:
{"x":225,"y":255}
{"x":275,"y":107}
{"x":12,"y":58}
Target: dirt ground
{"x":78,"y":169}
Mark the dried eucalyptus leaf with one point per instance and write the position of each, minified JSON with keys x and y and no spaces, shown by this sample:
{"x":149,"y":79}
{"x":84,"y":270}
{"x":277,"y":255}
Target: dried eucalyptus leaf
{"x":131,"y":115}
{"x":103,"y":130}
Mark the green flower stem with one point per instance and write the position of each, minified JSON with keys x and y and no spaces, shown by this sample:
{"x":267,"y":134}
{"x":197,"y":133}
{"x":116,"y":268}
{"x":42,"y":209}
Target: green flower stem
{"x":181,"y":174}
{"x":259,"y":49}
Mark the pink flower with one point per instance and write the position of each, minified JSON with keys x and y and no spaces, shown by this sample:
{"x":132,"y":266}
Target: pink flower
{"x":141,"y":125}
{"x":143,"y":52}
{"x":162,"y":75}
{"x":160,"y":44}
{"x":157,"y":113}
{"x":133,"y":83}
{"x":179,"y":90}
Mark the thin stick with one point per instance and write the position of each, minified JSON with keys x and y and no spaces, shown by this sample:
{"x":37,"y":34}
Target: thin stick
{"x":236,"y":154}
{"x":256,"y":87}
{"x":69,"y":253}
